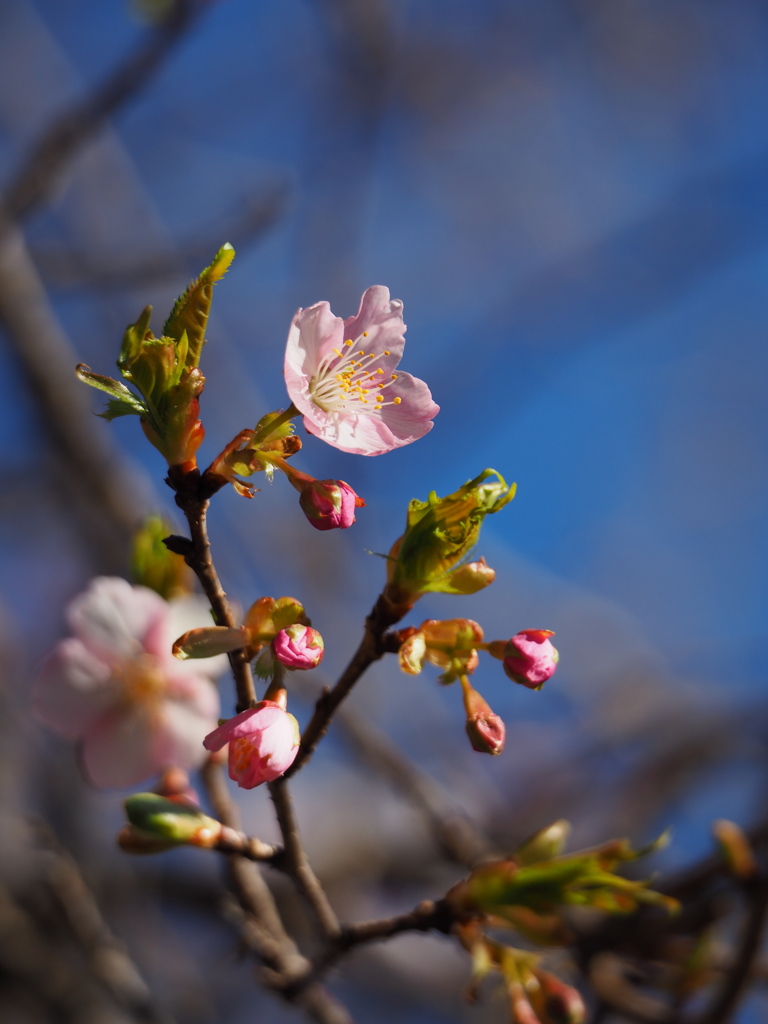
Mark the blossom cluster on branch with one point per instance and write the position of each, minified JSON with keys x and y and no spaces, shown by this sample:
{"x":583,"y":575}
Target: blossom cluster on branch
{"x":134,"y":684}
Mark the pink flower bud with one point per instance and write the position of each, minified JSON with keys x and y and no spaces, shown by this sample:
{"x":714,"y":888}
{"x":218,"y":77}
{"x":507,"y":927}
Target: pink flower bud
{"x":486,"y":733}
{"x":485,"y":729}
{"x":330,"y":504}
{"x":529,"y":658}
{"x":263,"y":743}
{"x":298,"y":647}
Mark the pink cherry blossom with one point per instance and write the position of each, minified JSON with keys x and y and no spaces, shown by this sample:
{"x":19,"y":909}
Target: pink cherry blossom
{"x":298,"y":647}
{"x":530,"y":659}
{"x":340,"y":376}
{"x":263,"y":743}
{"x":329,"y":504}
{"x":115,"y":688}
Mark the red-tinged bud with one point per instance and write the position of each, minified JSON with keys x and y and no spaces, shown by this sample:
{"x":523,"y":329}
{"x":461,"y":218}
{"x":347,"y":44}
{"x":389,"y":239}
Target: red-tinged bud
{"x":562,"y":1004}
{"x":298,"y":647}
{"x":486,"y":733}
{"x":330,"y":504}
{"x":529,"y":657}
{"x":485,"y":729}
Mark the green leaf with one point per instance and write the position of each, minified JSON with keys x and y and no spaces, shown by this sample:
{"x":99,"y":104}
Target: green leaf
{"x":190,"y":313}
{"x":116,"y":408}
{"x":124,"y":398}
{"x":133,"y":339}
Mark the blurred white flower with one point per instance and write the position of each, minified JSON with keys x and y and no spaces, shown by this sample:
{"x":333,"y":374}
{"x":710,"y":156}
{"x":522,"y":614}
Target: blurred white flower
{"x":116,"y":688}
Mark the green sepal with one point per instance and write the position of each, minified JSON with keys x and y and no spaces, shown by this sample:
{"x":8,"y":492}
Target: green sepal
{"x":190,"y":312}
{"x":264,"y":433}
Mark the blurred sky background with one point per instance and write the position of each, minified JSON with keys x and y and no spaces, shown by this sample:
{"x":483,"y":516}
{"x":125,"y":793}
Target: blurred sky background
{"x":571,"y":199}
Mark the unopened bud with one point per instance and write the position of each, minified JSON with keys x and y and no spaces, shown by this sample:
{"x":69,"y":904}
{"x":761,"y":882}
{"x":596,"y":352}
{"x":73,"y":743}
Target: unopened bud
{"x":267,"y":616}
{"x":529,"y":657}
{"x":439,"y":533}
{"x":210,"y":641}
{"x":562,"y":1003}
{"x":545,"y":844}
{"x":329,"y":504}
{"x":485,"y":729}
{"x":487,"y":733}
{"x":469,"y":578}
{"x":298,"y":647}
{"x":156,"y":818}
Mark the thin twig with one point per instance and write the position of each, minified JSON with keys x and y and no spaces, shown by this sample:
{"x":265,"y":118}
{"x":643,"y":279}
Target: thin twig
{"x":287,"y":971}
{"x":36,"y":178}
{"x":72,"y":267}
{"x":383,"y":615}
{"x":296,"y":862}
{"x":457,"y":837}
{"x":233,"y":841}
{"x":427,"y":916}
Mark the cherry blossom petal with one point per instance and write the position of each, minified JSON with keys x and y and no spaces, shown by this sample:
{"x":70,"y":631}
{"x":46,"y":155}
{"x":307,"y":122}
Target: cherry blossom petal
{"x":112,"y":617}
{"x":314,"y":334}
{"x":73,"y":689}
{"x":120,"y":749}
{"x":182,"y":615}
{"x":343,"y":381}
{"x":198,"y":692}
{"x":380,"y":321}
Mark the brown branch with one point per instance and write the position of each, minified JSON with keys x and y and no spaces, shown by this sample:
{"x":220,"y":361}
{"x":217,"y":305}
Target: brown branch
{"x":36,"y":178}
{"x":286,"y":972}
{"x":427,"y":916}
{"x":94,"y":475}
{"x":107,"y":957}
{"x":233,"y":841}
{"x":385,"y":613}
{"x":72,"y":267}
{"x":192,"y":497}
{"x":296,"y":863}
{"x":458,"y":838}
{"x":608,"y":978}
{"x":737,"y":977}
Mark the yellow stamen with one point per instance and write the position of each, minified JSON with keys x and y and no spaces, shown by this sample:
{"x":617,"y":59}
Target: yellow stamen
{"x":396,"y":401}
